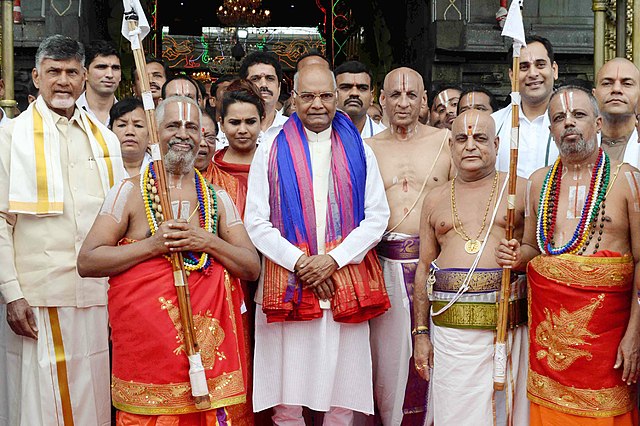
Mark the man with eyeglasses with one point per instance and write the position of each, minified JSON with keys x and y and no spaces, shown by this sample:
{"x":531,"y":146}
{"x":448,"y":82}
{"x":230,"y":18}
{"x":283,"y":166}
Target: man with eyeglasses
{"x":263,"y":69}
{"x":355,"y":96}
{"x":413,"y":158}
{"x":315,"y":209}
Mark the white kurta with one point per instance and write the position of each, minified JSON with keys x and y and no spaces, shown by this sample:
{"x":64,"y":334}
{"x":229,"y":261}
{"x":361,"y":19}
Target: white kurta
{"x":632,"y":152}
{"x":537,"y":148}
{"x":371,"y":128}
{"x":320,"y":363}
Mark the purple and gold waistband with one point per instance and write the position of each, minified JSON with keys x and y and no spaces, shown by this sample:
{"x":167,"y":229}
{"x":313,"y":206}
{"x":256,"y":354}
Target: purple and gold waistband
{"x":406,"y":249}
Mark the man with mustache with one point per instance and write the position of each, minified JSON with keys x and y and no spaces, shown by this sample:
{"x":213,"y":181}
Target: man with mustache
{"x":355,"y":96}
{"x":57,"y":163}
{"x":617,"y":91}
{"x":158,"y":73}
{"x":580,"y":249}
{"x":413,"y":159}
{"x":130,"y":241}
{"x":537,"y":73}
{"x":103,"y":78}
{"x":264,"y":70}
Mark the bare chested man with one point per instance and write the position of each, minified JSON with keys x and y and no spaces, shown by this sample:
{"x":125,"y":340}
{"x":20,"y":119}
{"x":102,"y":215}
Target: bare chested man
{"x":413,"y":158}
{"x":456,"y":221}
{"x":580,"y":254}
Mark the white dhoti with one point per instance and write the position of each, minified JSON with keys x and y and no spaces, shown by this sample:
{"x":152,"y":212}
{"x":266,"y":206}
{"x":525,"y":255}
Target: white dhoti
{"x":463,"y":339}
{"x":4,"y":390}
{"x":317,"y":364}
{"x":462,"y":379}
{"x":63,"y":377}
{"x":391,"y":342}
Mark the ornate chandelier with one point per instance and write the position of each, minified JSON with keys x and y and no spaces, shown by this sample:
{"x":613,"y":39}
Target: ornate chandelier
{"x":243,"y":13}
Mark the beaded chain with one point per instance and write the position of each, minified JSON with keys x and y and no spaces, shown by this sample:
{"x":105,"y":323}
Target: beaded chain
{"x":593,"y":206}
{"x":207,"y":206}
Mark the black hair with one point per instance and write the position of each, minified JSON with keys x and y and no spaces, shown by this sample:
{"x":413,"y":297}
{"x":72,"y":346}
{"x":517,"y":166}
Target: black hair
{"x":259,"y":57}
{"x":181,"y":77}
{"x":220,"y":80}
{"x":242,"y":91}
{"x":149,"y":60}
{"x":122,"y":107}
{"x":354,"y":67}
{"x":439,"y":88}
{"x":211,"y":113}
{"x":534,"y":39}
{"x":99,"y":48}
{"x":479,"y":89}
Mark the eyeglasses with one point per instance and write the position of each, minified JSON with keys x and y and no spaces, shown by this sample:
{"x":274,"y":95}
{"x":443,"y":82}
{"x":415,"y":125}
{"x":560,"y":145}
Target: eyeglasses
{"x":308,"y":97}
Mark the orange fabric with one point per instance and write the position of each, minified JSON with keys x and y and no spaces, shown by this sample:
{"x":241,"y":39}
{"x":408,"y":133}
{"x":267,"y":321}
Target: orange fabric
{"x":360,"y":293}
{"x":206,"y":418}
{"x":228,"y":182}
{"x":579,"y":308}
{"x":239,"y":171}
{"x":150,"y":367}
{"x":543,"y":416}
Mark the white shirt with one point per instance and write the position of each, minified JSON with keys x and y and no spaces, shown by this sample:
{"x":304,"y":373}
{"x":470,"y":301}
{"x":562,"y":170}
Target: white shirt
{"x":536,"y":149}
{"x":82,"y":103}
{"x":371,"y":128}
{"x":631,"y":152}
{"x":354,"y":247}
{"x":264,"y":136}
{"x":4,"y":120}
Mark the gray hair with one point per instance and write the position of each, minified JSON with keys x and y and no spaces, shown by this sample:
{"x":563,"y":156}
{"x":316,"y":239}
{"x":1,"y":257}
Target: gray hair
{"x":296,"y":77}
{"x":571,"y":87}
{"x":161,"y":109}
{"x":59,"y":48}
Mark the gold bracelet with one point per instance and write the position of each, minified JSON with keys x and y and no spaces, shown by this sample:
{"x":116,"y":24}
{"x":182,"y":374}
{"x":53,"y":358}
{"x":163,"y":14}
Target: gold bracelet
{"x":421,"y":329}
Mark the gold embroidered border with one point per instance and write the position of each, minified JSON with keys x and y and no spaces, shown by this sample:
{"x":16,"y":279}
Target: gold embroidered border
{"x":480,"y":280}
{"x":61,"y":366}
{"x":174,"y":398}
{"x":475,"y":315}
{"x":585,"y":271}
{"x":579,"y":402}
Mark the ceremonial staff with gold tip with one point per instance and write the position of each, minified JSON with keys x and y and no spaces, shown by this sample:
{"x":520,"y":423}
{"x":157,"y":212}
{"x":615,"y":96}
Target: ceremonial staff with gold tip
{"x":513,"y":28}
{"x":135,"y":27}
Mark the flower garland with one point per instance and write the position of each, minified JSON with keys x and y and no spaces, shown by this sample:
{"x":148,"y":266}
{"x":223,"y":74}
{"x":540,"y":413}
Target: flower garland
{"x":207,"y":206}
{"x":548,"y":207}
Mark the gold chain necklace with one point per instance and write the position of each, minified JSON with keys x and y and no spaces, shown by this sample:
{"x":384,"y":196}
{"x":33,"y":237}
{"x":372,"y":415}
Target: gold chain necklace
{"x":472,"y":246}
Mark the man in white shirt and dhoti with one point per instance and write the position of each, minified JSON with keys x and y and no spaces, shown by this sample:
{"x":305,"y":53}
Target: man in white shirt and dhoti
{"x":315,"y":208}
{"x":56,"y":164}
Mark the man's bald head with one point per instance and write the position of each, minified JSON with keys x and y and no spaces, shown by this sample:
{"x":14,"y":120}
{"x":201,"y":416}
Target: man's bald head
{"x":617,"y":89}
{"x":398,"y":75}
{"x":473,"y":142}
{"x":402,"y":97}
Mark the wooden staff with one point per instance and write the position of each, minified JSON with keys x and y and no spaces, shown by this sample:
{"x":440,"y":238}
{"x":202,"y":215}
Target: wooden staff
{"x":197,"y":376}
{"x":500,"y":355}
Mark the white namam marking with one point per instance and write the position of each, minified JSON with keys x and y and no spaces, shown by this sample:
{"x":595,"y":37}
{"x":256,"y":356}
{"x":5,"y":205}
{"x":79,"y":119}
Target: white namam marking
{"x":116,"y":200}
{"x":634,"y":180}
{"x":576,"y":201}
{"x":231,"y":212}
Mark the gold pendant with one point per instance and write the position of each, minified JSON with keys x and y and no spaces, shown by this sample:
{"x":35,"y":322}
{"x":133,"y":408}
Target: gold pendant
{"x":472,"y":246}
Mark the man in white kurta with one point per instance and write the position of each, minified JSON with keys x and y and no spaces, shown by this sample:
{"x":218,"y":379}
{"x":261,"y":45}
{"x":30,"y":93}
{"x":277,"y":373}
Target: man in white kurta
{"x":537,"y":73}
{"x":321,"y":364}
{"x":52,"y":184}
